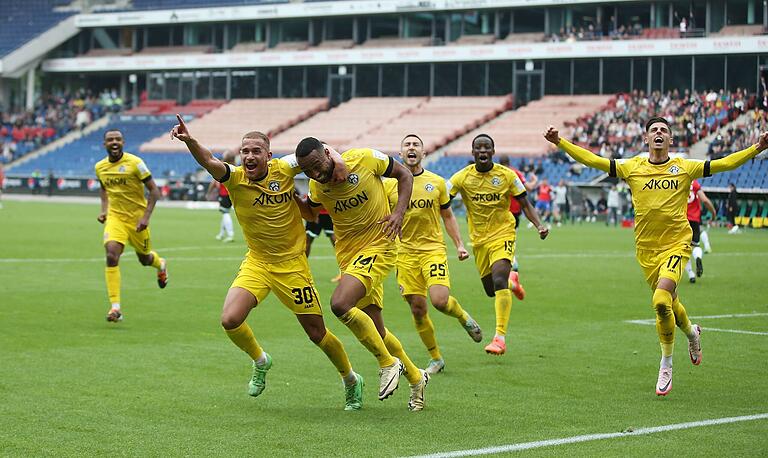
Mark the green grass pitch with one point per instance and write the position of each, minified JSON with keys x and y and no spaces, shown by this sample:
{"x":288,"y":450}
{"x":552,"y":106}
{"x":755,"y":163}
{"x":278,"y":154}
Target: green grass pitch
{"x":167,"y":381}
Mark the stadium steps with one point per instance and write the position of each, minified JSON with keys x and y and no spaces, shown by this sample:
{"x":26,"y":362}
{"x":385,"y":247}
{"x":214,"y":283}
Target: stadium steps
{"x":222,"y":128}
{"x":61,"y":142}
{"x":699,"y":149}
{"x":519,"y":132}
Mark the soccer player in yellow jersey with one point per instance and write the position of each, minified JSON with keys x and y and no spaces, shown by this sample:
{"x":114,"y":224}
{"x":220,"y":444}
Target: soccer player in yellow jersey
{"x":660,"y":186}
{"x":125,"y":213}
{"x":486,"y":189}
{"x":422,"y":261}
{"x":365,"y":251}
{"x":262,"y":193}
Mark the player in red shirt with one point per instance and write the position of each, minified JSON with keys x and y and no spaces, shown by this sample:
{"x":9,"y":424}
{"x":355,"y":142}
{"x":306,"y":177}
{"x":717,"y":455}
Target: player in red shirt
{"x":226,"y":230}
{"x":695,"y":199}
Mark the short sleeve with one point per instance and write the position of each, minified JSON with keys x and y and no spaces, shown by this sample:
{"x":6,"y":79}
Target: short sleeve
{"x":620,"y":168}
{"x":142,"y":171}
{"x":444,"y":198}
{"x":454,"y":184}
{"x":228,"y":175}
{"x":289,"y":165}
{"x":312,"y":194}
{"x":377,"y":162}
{"x":697,"y":168}
{"x":516,"y":186}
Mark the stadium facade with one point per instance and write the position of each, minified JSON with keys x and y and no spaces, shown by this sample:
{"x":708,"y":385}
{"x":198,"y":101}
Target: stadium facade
{"x":343,"y":49}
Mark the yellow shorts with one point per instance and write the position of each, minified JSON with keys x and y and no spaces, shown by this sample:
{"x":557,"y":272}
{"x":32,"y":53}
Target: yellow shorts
{"x":290,"y":280}
{"x":488,"y":253}
{"x":117,"y":230}
{"x":667,"y":263}
{"x":371,"y":266}
{"x":417,"y":272}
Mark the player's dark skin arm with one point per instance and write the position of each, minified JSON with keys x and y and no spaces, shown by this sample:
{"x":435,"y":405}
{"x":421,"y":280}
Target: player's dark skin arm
{"x":707,"y":203}
{"x":202,"y":155}
{"x":393,"y":223}
{"x":104,"y":204}
{"x":307,"y":211}
{"x":154,"y":196}
{"x":532,"y":215}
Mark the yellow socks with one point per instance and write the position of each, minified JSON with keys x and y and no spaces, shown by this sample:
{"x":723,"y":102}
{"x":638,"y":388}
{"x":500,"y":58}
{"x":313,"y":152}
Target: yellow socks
{"x":393,"y":345}
{"x":242,"y":336}
{"x":453,"y":308}
{"x":681,"y":318}
{"x":334,"y":349}
{"x":426,"y":331}
{"x":503,"y":306}
{"x":155,"y":260}
{"x":112,"y":274}
{"x":665,"y":320}
{"x":363,"y":328}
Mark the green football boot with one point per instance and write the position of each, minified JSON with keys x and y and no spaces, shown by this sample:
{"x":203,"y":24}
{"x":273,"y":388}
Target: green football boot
{"x":258,"y":379}
{"x":354,"y":394}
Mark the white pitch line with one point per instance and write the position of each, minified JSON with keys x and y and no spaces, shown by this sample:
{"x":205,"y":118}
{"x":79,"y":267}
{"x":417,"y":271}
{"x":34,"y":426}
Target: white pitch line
{"x":593,"y":437}
{"x":652,"y":322}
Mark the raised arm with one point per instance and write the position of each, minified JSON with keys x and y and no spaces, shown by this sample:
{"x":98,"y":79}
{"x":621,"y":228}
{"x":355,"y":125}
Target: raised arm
{"x":202,"y":155}
{"x":580,"y":154}
{"x":452,"y":228}
{"x":736,"y":160}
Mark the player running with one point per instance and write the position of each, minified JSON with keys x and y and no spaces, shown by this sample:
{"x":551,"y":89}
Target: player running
{"x":660,"y":187}
{"x":486,"y":189}
{"x":125,"y":213}
{"x":695,"y":199}
{"x":262,"y":192}
{"x":226,"y":231}
{"x":422,"y":261}
{"x":365,"y":252}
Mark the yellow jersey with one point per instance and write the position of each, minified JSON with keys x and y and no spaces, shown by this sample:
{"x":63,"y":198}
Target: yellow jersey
{"x":660,"y":197}
{"x":358,"y":204}
{"x":124,"y":182}
{"x":422,"y":230}
{"x":268,"y":215}
{"x":487,"y":196}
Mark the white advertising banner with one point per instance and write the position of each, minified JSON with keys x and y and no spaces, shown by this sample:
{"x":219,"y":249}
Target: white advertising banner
{"x":517,"y":51}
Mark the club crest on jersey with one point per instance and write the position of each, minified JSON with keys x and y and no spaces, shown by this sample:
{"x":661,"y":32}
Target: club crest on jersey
{"x":353,"y":178}
{"x":274,"y":186}
{"x":496,"y":181}
{"x":428,"y":187}
{"x":674,"y":170}
{"x":121,"y":169}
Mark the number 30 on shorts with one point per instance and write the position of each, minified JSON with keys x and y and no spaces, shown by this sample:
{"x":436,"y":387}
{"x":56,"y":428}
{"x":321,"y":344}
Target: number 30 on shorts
{"x":303,"y":295}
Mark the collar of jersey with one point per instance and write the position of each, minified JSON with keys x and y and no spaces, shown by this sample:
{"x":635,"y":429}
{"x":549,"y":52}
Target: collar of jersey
{"x":420,"y":173}
{"x":658,"y":163}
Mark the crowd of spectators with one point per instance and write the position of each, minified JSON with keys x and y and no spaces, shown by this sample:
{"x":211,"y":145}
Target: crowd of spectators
{"x":740,"y":137}
{"x":617,"y":131}
{"x":53,"y":115}
{"x":612,"y":30}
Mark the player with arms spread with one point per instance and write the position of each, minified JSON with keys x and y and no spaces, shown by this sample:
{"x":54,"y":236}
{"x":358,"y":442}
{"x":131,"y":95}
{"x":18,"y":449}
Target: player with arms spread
{"x":660,"y":187}
{"x":486,"y":189}
{"x":422,"y":261}
{"x":262,"y":192}
{"x":125,"y":213}
{"x":365,"y":251}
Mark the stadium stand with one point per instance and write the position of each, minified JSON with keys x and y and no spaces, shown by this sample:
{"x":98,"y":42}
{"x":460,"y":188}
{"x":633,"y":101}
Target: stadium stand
{"x":23,"y":21}
{"x":77,"y":159}
{"x":437,"y":120}
{"x":518,"y":133}
{"x":179,"y":4}
{"x":222,"y":128}
{"x":342,"y":125}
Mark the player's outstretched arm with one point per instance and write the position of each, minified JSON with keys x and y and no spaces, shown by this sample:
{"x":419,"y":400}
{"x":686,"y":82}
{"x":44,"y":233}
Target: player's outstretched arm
{"x":202,"y":155}
{"x":393,"y":223}
{"x":580,"y":154}
{"x":452,"y":228}
{"x":533,"y":216}
{"x":736,"y":160}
